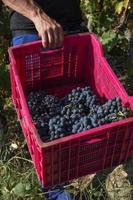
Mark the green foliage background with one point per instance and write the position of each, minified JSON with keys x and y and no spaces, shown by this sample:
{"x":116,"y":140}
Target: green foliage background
{"x":111,"y":21}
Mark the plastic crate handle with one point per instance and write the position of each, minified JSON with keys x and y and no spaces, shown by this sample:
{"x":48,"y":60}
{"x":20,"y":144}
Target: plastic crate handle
{"x":94,"y":140}
{"x":56,"y":50}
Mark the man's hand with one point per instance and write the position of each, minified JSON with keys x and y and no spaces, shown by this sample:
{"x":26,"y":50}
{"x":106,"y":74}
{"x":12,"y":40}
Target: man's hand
{"x":49,"y":30}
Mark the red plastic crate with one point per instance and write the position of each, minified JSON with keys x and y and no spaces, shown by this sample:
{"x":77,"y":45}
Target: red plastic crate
{"x":79,"y":62}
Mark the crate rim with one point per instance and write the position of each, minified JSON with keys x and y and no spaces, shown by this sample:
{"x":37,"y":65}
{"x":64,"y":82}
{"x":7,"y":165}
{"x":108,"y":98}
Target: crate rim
{"x":59,"y":141}
{"x":38,"y":42}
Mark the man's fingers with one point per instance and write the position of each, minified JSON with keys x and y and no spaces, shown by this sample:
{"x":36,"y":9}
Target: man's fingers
{"x":51,"y":39}
{"x":45,"y":39}
{"x":58,"y":36}
{"x":52,"y":36}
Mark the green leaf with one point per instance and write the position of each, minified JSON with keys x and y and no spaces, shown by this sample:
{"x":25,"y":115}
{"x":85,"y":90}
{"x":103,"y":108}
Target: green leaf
{"x":119,"y":7}
{"x":19,"y":189}
{"x":125,"y":4}
{"x":28,"y":186}
{"x":107,"y":37}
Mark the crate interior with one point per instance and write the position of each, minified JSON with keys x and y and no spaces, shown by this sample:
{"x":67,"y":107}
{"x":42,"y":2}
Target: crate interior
{"x":77,"y":63}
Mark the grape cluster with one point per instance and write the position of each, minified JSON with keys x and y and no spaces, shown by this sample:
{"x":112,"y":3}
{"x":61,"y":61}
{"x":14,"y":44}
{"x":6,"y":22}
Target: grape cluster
{"x":83,"y":96}
{"x":42,"y":108}
{"x":58,"y":127}
{"x":78,"y":111}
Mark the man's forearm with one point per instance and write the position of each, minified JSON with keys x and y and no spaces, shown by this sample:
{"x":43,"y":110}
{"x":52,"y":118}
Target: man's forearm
{"x":48,"y":29}
{"x":28,"y":8}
